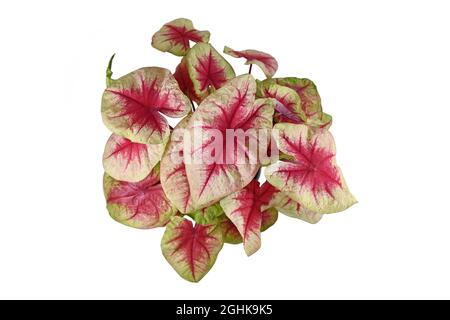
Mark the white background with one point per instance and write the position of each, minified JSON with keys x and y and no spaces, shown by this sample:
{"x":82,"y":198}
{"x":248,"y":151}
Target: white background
{"x":382,"y":69}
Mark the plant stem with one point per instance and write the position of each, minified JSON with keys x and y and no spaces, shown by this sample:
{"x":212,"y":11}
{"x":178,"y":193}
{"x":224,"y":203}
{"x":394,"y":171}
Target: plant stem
{"x":192,"y":104}
{"x":250,"y":69}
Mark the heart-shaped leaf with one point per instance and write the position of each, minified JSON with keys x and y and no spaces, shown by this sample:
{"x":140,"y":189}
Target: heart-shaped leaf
{"x":132,"y":106}
{"x":207,"y":70}
{"x":141,"y":204}
{"x":288,"y":104}
{"x":265,"y":61}
{"x":311,"y":177}
{"x":191,"y":250}
{"x":130,"y":161}
{"x":175,"y":35}
{"x":214,"y":167}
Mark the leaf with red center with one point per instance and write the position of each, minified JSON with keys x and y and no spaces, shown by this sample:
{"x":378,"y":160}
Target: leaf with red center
{"x":265,"y":61}
{"x":191,"y":250}
{"x":173,"y":171}
{"x":207,"y":69}
{"x":129,"y":161}
{"x":175,"y":35}
{"x":214,"y":167}
{"x":288,"y":104}
{"x":311,"y":177}
{"x":132,"y":106}
{"x":141,"y":204}
{"x":243,"y":208}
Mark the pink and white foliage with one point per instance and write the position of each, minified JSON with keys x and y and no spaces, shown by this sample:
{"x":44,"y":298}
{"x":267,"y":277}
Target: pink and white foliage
{"x":191,"y":249}
{"x":133,"y":105}
{"x":130,"y":161}
{"x":173,"y":170}
{"x":140,"y":204}
{"x":244,"y":209}
{"x":199,"y":180}
{"x":174,"y":37}
{"x":202,"y":71}
{"x":265,"y":61}
{"x":218,"y":166}
{"x":311,"y":177}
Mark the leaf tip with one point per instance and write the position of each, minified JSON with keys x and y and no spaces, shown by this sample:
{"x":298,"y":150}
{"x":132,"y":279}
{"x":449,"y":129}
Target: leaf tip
{"x":109,"y":72}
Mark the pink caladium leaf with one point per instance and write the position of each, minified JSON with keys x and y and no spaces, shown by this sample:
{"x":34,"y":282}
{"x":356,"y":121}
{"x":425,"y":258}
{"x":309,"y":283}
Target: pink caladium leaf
{"x":265,"y":61}
{"x":243,"y":208}
{"x":132,"y":106}
{"x":130,"y":161}
{"x":141,"y":204}
{"x":312,"y":177}
{"x":207,"y":70}
{"x":288,"y":104}
{"x":214,"y":174}
{"x":191,"y":249}
{"x":175,"y":35}
{"x":173,"y":170}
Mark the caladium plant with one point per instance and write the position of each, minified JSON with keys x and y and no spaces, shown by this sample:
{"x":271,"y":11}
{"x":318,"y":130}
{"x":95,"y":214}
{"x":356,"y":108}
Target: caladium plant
{"x":201,"y":179}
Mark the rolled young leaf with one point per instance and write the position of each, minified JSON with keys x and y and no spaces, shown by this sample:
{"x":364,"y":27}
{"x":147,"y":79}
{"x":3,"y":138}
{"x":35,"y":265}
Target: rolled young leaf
{"x":175,"y":35}
{"x":310,"y":102}
{"x":312,"y":178}
{"x":307,"y":91}
{"x":230,"y":109}
{"x":265,"y":61}
{"x":141,"y":204}
{"x":129,"y":161}
{"x":288,"y":104}
{"x":132,"y":106}
{"x":191,"y":250}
